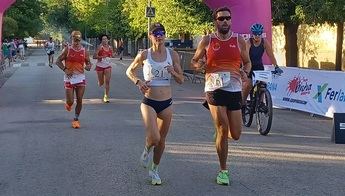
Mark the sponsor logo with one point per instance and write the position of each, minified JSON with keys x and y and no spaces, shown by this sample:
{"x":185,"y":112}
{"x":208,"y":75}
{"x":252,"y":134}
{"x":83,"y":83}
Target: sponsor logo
{"x":299,"y":85}
{"x":216,"y":46}
{"x":320,"y":89}
{"x":232,"y":45}
{"x":288,"y":99}
{"x":330,"y":94}
{"x":272,"y":86}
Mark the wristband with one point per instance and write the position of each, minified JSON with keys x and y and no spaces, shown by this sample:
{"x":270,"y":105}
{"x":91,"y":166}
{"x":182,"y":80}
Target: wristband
{"x":137,"y":82}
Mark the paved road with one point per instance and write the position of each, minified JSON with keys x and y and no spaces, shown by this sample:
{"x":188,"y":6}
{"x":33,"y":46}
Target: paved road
{"x":42,"y":155}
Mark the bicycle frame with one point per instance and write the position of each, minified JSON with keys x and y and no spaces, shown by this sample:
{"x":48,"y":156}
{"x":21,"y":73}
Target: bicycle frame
{"x":260,"y":102}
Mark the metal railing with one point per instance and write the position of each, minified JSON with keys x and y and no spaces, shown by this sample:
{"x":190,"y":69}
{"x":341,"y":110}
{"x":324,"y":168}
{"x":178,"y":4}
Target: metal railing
{"x":196,"y":76}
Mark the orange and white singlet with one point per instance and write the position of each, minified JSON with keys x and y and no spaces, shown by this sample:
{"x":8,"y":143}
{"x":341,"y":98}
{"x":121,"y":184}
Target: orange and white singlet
{"x":74,"y":62}
{"x":223,"y":64}
{"x":106,"y":55}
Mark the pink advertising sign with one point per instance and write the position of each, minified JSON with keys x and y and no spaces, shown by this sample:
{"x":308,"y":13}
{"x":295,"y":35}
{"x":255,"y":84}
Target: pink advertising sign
{"x":4,"y":4}
{"x":245,"y":13}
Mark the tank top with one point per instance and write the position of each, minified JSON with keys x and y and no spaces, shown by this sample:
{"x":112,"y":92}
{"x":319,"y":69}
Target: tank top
{"x":106,"y":54}
{"x":156,"y":72}
{"x":50,"y":46}
{"x":75,"y":60}
{"x":224,"y":56}
{"x":256,"y":53}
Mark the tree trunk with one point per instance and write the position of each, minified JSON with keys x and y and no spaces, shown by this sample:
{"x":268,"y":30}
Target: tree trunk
{"x":291,"y":49}
{"x":340,"y":37}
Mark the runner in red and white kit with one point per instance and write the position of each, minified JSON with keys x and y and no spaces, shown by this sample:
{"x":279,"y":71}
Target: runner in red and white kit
{"x":76,"y":59}
{"x":103,"y":67}
{"x":224,"y":51}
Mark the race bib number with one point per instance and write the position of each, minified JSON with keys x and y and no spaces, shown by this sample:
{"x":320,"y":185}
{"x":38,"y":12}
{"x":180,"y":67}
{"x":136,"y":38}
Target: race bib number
{"x":217,"y":80}
{"x":77,"y":78}
{"x":106,"y":60}
{"x":161,"y":73}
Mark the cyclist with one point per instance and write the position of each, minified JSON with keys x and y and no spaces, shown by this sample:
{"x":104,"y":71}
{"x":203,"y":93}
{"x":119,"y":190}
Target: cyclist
{"x":257,"y":46}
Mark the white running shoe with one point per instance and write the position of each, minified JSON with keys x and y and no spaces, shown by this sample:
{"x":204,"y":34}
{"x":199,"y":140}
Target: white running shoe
{"x":145,"y":157}
{"x":155,"y":179}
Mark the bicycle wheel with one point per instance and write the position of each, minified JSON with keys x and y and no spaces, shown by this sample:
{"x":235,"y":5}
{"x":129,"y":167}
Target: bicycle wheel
{"x":264,"y":114}
{"x":248,"y":112}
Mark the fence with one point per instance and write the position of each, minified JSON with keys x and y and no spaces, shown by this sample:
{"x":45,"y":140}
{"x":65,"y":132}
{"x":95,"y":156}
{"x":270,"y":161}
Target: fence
{"x":3,"y":63}
{"x":186,"y":55}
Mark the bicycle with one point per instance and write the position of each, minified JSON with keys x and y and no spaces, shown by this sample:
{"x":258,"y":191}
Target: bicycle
{"x":260,"y":102}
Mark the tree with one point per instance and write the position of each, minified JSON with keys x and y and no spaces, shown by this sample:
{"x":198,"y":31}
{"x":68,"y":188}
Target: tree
{"x":287,"y":12}
{"x":10,"y":27}
{"x":292,"y":13}
{"x":332,"y":12}
{"x":27,"y":14}
{"x":178,"y":16}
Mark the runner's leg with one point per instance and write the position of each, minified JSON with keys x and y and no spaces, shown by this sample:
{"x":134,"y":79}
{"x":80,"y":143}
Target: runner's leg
{"x":220,"y":120}
{"x":79,"y":93}
{"x":151,"y":128}
{"x":100,"y":76}
{"x":235,"y":123}
{"x":163,"y":121}
{"x":107,"y":77}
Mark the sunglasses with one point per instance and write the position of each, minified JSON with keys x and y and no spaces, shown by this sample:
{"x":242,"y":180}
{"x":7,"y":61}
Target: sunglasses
{"x":222,"y":18}
{"x":158,"y":33}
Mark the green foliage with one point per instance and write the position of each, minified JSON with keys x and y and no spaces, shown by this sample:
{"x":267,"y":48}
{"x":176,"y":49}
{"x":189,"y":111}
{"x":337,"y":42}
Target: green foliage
{"x":178,"y":16}
{"x":120,"y":18}
{"x":308,"y":11}
{"x":27,"y":14}
{"x":10,"y":27}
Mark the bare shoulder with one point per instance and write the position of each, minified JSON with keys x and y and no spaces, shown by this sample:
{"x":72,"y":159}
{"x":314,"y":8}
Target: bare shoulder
{"x":142,"y":55}
{"x":205,"y":39}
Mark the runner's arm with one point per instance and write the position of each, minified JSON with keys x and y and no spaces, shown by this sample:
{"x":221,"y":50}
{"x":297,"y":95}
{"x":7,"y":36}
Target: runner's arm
{"x":269,"y":52}
{"x":177,"y":72}
{"x":247,"y":65}
{"x":88,"y":64}
{"x":200,"y":53}
{"x":61,"y":58}
{"x":131,"y":71}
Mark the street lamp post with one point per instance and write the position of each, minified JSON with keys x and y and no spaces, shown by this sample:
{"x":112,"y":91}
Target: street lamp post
{"x":148,"y":25}
{"x":106,"y":24}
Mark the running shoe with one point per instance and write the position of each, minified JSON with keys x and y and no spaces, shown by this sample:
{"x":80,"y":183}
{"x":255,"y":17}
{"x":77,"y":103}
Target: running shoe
{"x":76,"y":124}
{"x":106,"y":99}
{"x":223,"y":178}
{"x":68,"y":107}
{"x":153,"y":173}
{"x":145,"y":158}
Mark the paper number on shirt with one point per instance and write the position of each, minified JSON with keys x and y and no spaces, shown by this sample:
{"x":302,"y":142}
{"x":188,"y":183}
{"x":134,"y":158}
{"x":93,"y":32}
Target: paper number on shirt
{"x":160,"y":73}
{"x":218,"y":80}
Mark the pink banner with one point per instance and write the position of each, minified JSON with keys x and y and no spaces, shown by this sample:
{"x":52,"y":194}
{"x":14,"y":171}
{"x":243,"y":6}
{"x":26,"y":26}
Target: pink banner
{"x":245,"y":13}
{"x":4,"y":4}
